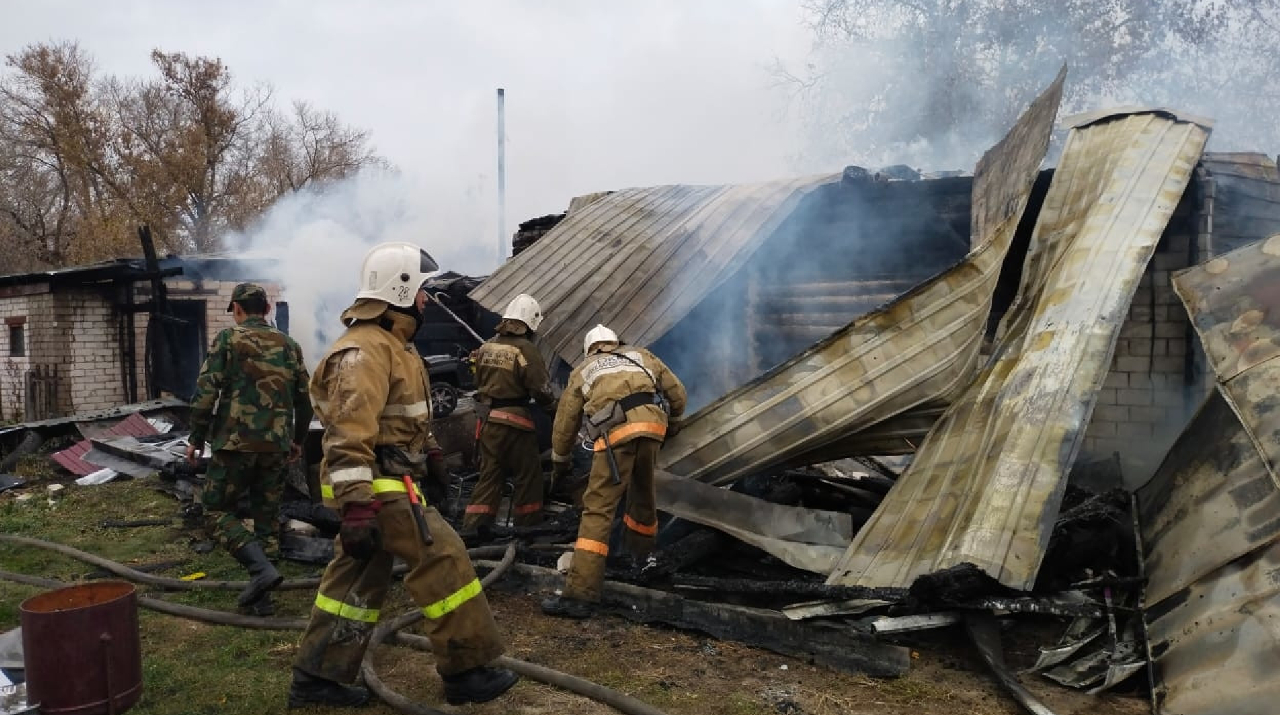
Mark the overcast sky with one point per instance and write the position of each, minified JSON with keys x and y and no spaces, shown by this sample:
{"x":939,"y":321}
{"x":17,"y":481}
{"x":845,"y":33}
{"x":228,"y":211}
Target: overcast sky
{"x":600,"y":95}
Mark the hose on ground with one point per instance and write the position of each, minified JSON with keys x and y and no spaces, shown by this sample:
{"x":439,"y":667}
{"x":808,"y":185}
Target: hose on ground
{"x":386,"y":628}
{"x":176,"y":584}
{"x":619,"y":701}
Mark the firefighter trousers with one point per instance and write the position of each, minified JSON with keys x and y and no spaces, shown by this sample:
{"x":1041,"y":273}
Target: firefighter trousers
{"x":441,"y":581}
{"x":635,"y":461}
{"x":507,"y":450}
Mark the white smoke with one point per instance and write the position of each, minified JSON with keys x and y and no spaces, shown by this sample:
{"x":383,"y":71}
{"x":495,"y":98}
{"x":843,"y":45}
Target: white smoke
{"x":317,"y":239}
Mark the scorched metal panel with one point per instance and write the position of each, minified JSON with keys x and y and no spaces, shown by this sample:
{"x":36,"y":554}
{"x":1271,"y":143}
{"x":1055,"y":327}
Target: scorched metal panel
{"x":986,"y":486}
{"x":921,"y":348}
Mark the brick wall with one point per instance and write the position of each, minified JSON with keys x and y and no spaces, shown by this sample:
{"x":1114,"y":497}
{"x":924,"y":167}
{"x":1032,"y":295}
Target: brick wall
{"x":1150,"y":391}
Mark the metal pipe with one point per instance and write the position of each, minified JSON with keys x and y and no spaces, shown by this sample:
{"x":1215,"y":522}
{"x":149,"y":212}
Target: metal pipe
{"x":436,"y":297}
{"x":502,"y":174}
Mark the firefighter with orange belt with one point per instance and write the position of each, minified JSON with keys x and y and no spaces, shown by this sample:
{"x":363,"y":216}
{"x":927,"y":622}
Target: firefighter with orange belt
{"x":632,"y":402}
{"x":510,"y":372}
{"x":370,"y":391}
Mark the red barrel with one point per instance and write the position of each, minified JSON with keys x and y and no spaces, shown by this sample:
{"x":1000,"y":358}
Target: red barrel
{"x":82,"y":650}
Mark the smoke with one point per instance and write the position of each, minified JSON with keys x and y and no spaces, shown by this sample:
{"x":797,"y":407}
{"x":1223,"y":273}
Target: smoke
{"x":316,"y":239}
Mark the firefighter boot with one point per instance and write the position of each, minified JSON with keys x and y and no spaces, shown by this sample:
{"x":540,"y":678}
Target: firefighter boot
{"x":262,"y":575}
{"x":263,"y":607}
{"x":565,"y":607}
{"x":307,"y":689}
{"x":477,"y":685}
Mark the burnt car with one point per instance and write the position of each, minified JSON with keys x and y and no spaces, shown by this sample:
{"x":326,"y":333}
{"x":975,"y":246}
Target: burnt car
{"x":450,"y":376}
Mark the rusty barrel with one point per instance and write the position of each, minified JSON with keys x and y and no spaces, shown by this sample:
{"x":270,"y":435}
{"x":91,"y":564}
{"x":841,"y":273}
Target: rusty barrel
{"x":82,"y":650}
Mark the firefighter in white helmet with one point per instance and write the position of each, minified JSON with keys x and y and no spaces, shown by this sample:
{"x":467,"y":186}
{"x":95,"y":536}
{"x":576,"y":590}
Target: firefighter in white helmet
{"x":510,"y":376}
{"x":632,"y":402}
{"x":370,"y":391}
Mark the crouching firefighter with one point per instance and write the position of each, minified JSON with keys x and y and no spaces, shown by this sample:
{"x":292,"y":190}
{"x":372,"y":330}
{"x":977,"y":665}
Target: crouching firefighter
{"x":510,"y":373}
{"x":632,"y":401}
{"x":370,"y":391}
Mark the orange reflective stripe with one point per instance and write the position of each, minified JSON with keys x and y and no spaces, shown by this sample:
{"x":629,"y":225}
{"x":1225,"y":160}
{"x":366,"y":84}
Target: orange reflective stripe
{"x":592,"y":545}
{"x":479,"y":509}
{"x":649,"y":429}
{"x":512,"y":418}
{"x":645,"y":529}
{"x":528,"y":508}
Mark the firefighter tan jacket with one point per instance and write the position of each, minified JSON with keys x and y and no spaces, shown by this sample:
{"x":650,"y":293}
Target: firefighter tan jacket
{"x":608,"y":375}
{"x":370,"y":390}
{"x":510,"y":368}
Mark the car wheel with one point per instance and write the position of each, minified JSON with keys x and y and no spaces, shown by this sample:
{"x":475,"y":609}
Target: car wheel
{"x":444,"y":399}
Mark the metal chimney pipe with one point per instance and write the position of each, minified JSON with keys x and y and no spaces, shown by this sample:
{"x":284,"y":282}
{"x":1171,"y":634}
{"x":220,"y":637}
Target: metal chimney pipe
{"x":503,"y":240}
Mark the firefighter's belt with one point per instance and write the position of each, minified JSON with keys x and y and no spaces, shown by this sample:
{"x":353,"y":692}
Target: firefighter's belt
{"x":638,"y":399}
{"x":511,"y":417}
{"x":647,"y":429}
{"x":497,"y":403}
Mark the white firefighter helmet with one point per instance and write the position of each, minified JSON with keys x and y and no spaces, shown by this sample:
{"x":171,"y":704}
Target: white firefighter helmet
{"x":598,"y":334}
{"x":393,"y":272}
{"x":524,"y":309}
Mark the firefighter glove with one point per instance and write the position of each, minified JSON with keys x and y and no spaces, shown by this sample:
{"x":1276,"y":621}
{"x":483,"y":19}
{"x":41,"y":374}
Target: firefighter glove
{"x":673,"y":428}
{"x":437,"y":486}
{"x":562,"y":469}
{"x":360,"y":535}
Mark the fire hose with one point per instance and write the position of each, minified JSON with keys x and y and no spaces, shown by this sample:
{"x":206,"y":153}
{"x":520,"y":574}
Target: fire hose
{"x":594,"y":691}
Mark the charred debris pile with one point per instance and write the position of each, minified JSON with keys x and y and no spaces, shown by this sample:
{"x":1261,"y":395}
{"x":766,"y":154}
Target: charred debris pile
{"x":1018,"y":402}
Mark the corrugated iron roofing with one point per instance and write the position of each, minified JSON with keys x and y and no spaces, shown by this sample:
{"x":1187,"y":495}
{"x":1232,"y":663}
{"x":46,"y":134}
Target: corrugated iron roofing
{"x":1234,"y":304}
{"x":1211,"y":514}
{"x":639,"y":260}
{"x":986,"y":485}
{"x":72,"y":458}
{"x":921,"y":348}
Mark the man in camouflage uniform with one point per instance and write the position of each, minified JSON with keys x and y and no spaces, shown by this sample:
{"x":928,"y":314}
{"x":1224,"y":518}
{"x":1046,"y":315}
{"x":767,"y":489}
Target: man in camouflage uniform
{"x":510,"y":372}
{"x":631,"y":384}
{"x":251,"y":406}
{"x":371,"y":393}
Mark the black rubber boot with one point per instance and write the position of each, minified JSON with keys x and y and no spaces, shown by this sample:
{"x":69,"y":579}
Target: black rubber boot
{"x":262,"y":575}
{"x":568,"y":607}
{"x":263,"y":607}
{"x":308,"y":690}
{"x":478,"y":685}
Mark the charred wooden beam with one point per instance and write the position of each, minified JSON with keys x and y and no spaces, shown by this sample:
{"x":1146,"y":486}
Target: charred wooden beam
{"x":834,"y":645}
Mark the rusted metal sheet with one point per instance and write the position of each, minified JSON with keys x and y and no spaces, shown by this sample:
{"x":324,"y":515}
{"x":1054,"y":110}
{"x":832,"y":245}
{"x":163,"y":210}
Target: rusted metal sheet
{"x":1210,"y":503}
{"x":921,"y":348}
{"x":1233,"y":301}
{"x":987,"y":483}
{"x":639,"y":260}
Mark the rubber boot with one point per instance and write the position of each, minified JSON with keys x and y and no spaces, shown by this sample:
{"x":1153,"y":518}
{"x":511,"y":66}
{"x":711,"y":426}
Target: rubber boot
{"x":307,"y":689}
{"x":263,"y":607}
{"x":567,"y":607}
{"x":262,"y":575}
{"x":477,"y":685}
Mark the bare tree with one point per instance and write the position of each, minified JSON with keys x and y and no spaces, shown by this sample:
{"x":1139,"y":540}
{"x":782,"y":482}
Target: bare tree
{"x":84,"y":159}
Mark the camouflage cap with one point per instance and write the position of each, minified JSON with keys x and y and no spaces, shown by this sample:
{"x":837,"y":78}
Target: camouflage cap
{"x":245,"y":291}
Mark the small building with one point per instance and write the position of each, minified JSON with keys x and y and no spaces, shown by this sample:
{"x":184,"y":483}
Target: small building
{"x":92,"y":337}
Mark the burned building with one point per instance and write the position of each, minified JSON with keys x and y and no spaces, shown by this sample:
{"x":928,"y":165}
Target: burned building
{"x":92,"y":337}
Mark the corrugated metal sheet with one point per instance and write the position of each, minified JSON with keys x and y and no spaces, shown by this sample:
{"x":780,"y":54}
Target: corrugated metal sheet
{"x":985,"y":487}
{"x":1234,"y":303}
{"x":639,"y":260}
{"x":72,"y":458}
{"x":921,"y":348}
{"x":1211,"y":514}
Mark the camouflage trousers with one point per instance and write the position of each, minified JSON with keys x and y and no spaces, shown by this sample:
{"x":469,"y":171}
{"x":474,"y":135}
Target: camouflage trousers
{"x":635,"y":461}
{"x":507,"y":450}
{"x":257,"y":478}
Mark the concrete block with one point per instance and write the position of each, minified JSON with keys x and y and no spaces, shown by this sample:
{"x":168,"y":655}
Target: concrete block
{"x":1168,"y":329}
{"x":1132,"y":364}
{"x":1109,"y":413}
{"x":1138,"y":347}
{"x":1133,"y":397}
{"x":1116,"y":379}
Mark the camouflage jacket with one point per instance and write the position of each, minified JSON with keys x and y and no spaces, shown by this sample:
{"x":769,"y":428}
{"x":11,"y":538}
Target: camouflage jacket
{"x":610,"y":375}
{"x":509,"y":369}
{"x":251,"y":395}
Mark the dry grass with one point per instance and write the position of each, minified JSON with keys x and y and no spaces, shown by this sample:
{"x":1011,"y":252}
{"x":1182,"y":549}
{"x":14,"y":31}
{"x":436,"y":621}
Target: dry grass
{"x":192,"y":668}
